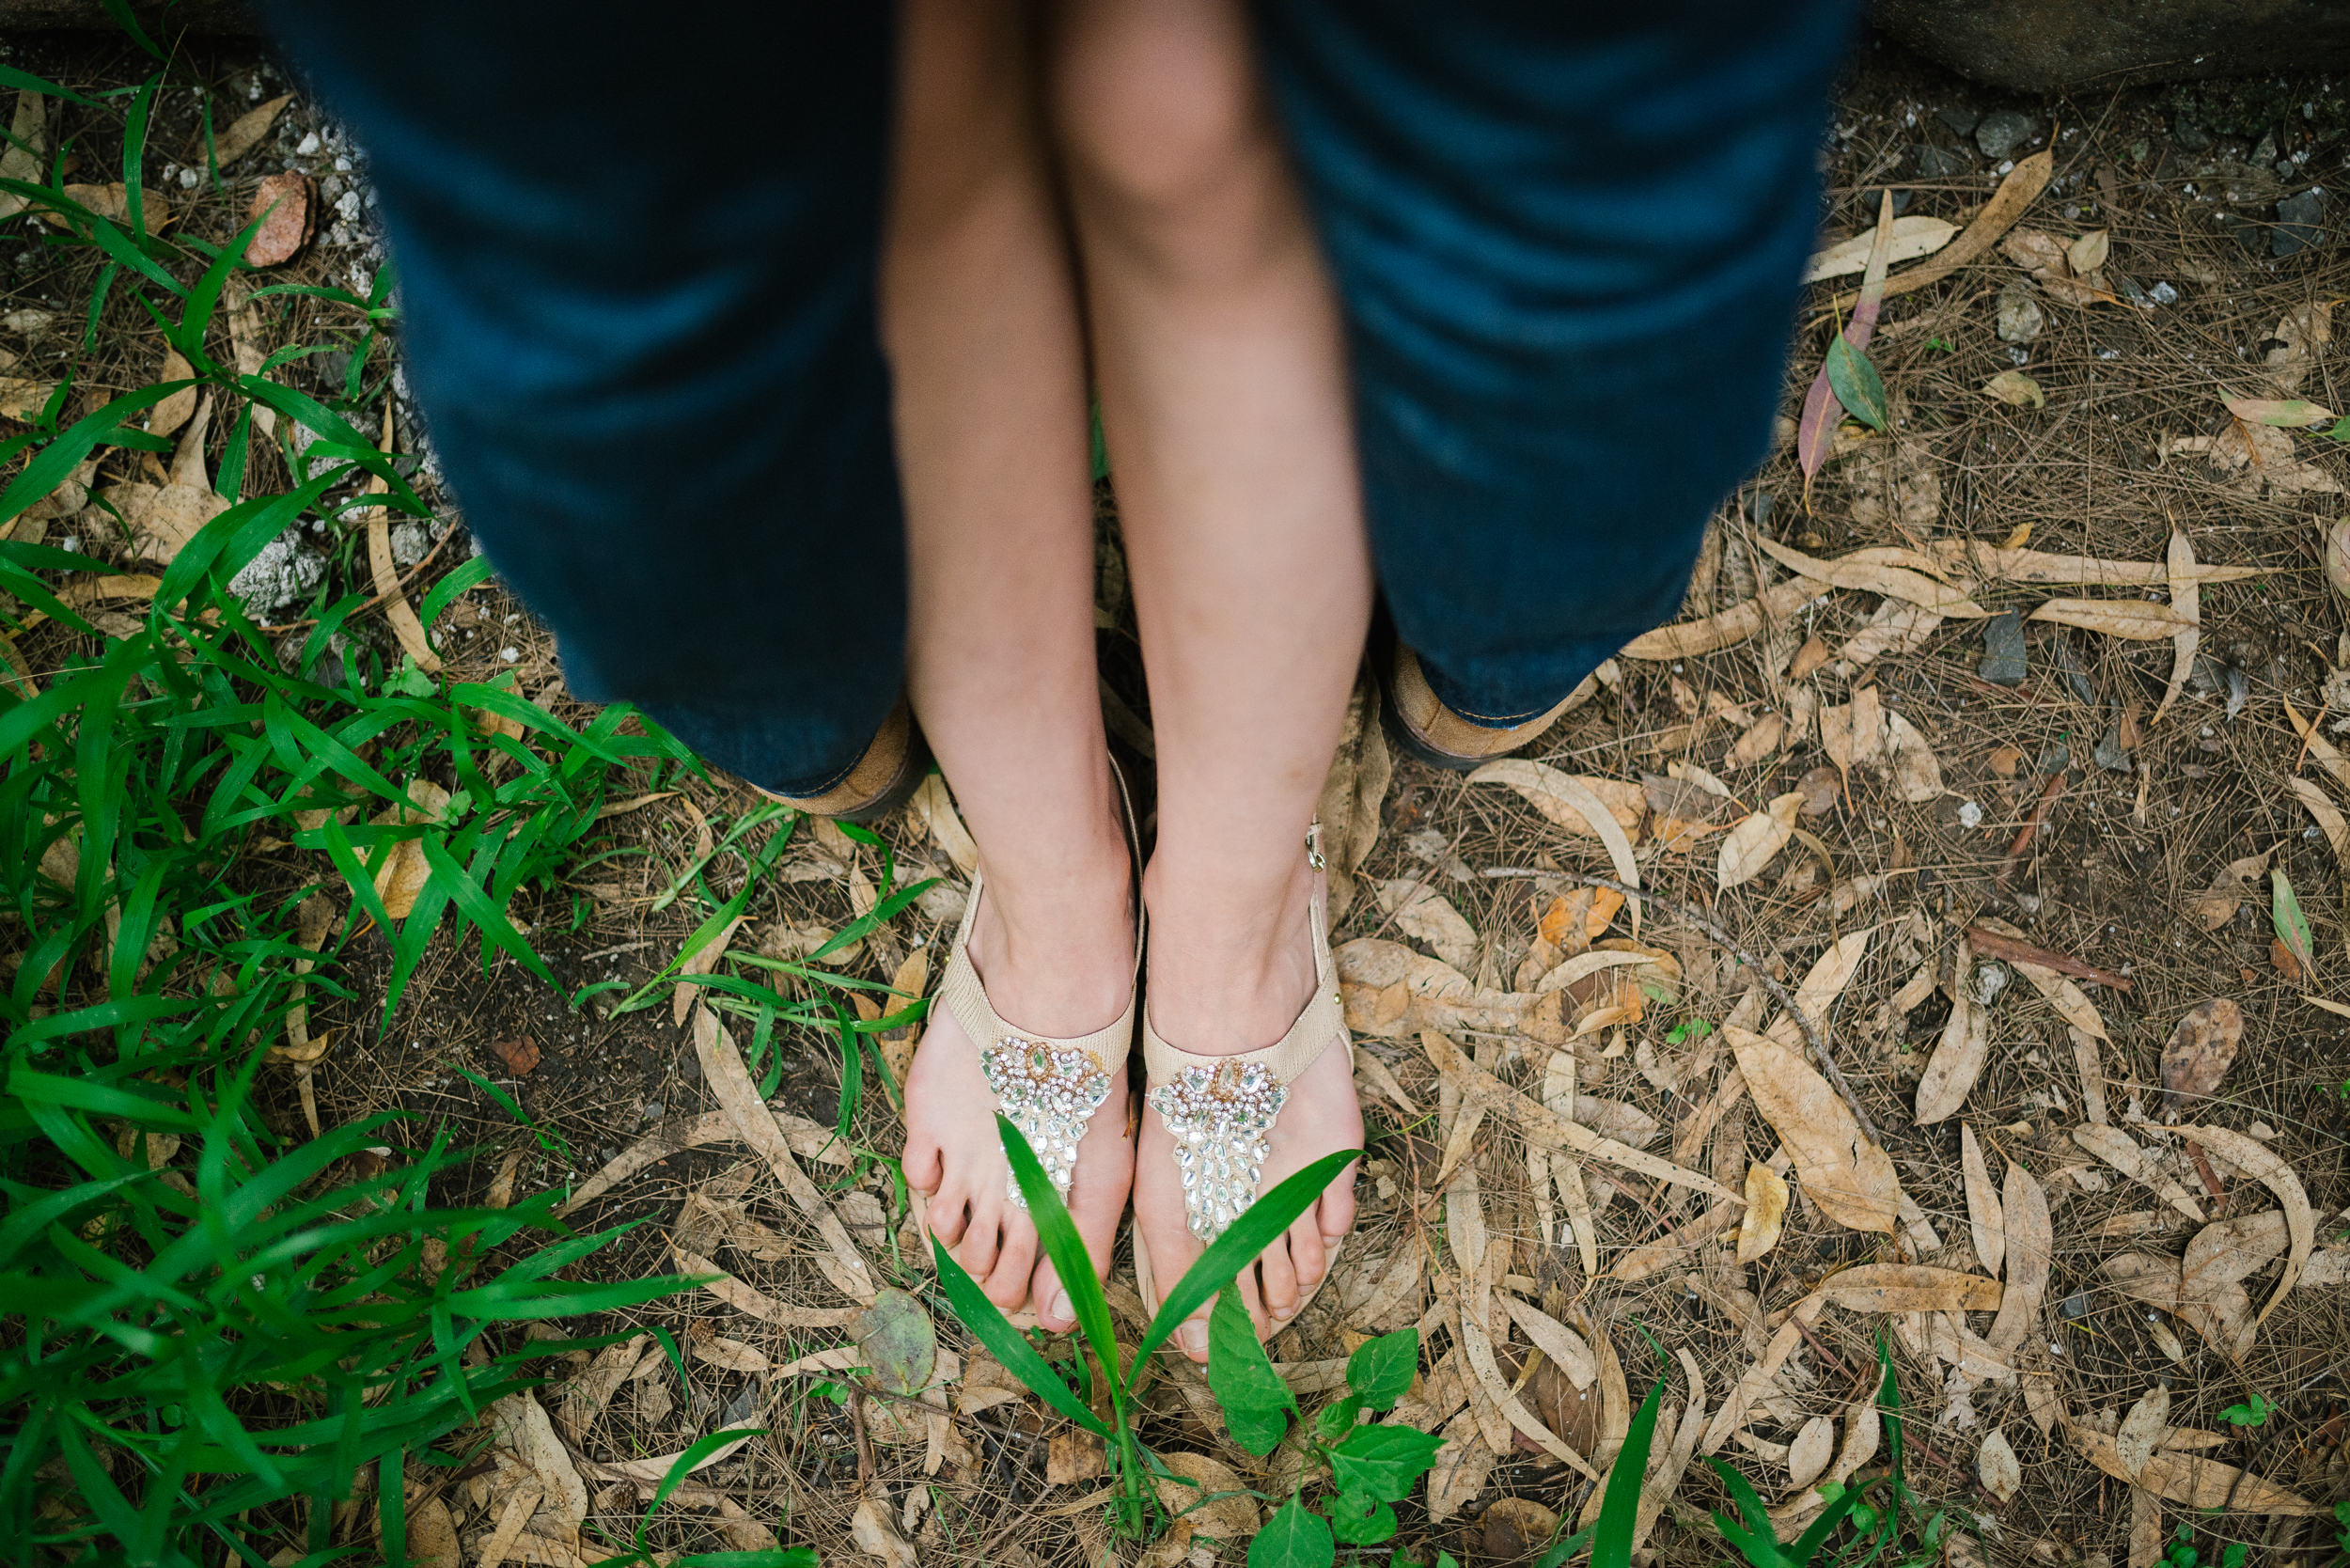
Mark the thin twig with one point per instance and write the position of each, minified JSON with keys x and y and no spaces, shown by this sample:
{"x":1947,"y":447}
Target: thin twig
{"x":2039,"y":816}
{"x":1992,"y":944}
{"x":863,"y":1438}
{"x":1770,"y":982}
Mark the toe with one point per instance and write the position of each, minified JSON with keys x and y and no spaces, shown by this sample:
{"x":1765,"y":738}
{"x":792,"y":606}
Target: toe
{"x":1015,"y":1262}
{"x":1334,"y":1211}
{"x":1252,"y":1297}
{"x":981,"y":1238}
{"x":1278,"y":1283}
{"x":1192,"y":1335}
{"x":1301,"y":1244}
{"x":1055,"y":1313}
{"x":949,"y":1216}
{"x":925,"y":1164}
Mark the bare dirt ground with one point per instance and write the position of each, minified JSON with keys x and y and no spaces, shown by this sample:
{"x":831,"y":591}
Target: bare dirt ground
{"x":1454,"y":904}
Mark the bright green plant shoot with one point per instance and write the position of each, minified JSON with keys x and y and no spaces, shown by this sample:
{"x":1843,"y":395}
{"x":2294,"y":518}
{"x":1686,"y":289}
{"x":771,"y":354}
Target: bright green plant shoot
{"x":1135,"y":1512}
{"x":2254,"y":1411}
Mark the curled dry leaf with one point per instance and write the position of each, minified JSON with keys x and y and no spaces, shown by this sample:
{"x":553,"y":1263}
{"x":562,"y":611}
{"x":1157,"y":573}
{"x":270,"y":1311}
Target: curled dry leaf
{"x":2217,"y":905}
{"x":1352,"y":792}
{"x":1995,"y":1462}
{"x":2016,"y":390}
{"x":2201,"y":1051}
{"x":1984,"y":1220}
{"x":1755,"y":842}
{"x":1686,"y":639}
{"x":1559,"y":796}
{"x":1766,"y":1212}
{"x":1865,"y":575}
{"x":1847,"y":1176}
{"x":1809,"y":1454}
{"x":2141,"y":1432}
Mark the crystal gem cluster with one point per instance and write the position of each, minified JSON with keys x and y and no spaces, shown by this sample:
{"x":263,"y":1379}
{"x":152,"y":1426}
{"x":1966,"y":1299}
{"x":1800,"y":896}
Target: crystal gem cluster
{"x":1050,"y":1093}
{"x":1219,"y":1118}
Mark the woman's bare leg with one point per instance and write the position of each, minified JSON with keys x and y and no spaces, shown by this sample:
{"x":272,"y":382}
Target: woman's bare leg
{"x":980,"y":321}
{"x":1223,"y":390}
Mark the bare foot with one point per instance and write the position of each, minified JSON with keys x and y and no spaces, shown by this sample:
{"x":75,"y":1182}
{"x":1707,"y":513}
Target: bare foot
{"x":1210,"y":997}
{"x":1071,"y":983}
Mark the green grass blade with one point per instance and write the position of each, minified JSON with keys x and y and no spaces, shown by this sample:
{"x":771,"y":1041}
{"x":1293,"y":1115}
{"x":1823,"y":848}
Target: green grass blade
{"x":1058,"y":1233}
{"x":1619,"y":1510}
{"x":1236,"y":1248}
{"x":989,"y":1325}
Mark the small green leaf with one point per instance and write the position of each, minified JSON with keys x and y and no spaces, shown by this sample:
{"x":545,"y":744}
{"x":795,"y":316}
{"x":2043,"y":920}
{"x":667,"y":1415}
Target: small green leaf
{"x":1856,"y":384}
{"x":2338,"y":429}
{"x":1255,"y":1402}
{"x":1293,"y":1538}
{"x":1383,"y":1461}
{"x":1337,"y":1420}
{"x":1361,"y":1519}
{"x":2254,"y":1412}
{"x":898,"y":1341}
{"x":2292,"y":930}
{"x":1382,"y":1369}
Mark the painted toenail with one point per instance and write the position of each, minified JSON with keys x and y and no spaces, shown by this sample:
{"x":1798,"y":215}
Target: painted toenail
{"x":1194,"y":1334}
{"x":1061,"y":1311}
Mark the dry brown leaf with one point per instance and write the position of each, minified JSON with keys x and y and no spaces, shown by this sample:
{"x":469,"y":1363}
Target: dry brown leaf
{"x":2091,"y":1066}
{"x":1555,"y":1339}
{"x":1995,"y":1465}
{"x":2017,"y":565}
{"x":402,"y":875}
{"x":1423,"y":913}
{"x":291,"y":202}
{"x":2147,"y":1536}
{"x":1761,"y":740}
{"x":2030,"y":1249}
{"x":875,"y":1533}
{"x":523,"y":1426}
{"x":729,"y":1081}
{"x":1850,"y":1178}
{"x":2202,"y":1049}
{"x":1866,"y":576}
{"x":1558,"y":797}
{"x":1911,"y":237}
{"x":2135,"y":1440}
{"x":2182,"y":1478}
{"x":1766,"y":1212}
{"x":1984,"y":1222}
{"x":520,"y":1055}
{"x":21,"y":162}
{"x":2134,"y":619}
{"x":2328,"y":819}
{"x":1959,"y":1056}
{"x":243,"y":134}
{"x":1910,"y":1288}
{"x":1461,"y":1466}
{"x":2088,"y":253}
{"x":2068,"y":998}
{"x":1553,"y":1132}
{"x":1760,"y":1378}
{"x":516,"y":1513}
{"x":2217,"y":905}
{"x":2120,"y":1151}
{"x":935,"y":809}
{"x":1477,"y":1349}
{"x":1674,"y":1247}
{"x":1829,"y":977}
{"x":112,"y":203}
{"x":1072,"y":1456}
{"x":2263,"y":1165}
{"x":173,"y":412}
{"x":1755,"y":842}
{"x":1229,"y":1519}
{"x":1351,"y":793}
{"x":433,"y":1536}
{"x":1392,"y":990}
{"x":1688,"y":638}
{"x":1809,"y":1454}
{"x":586,"y":1395}
{"x":2186,"y":597}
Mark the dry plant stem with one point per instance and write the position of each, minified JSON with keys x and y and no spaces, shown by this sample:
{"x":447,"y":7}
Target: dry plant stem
{"x":1703,"y":922}
{"x":863,"y":1438}
{"x":2039,"y":815}
{"x":1990,"y":944}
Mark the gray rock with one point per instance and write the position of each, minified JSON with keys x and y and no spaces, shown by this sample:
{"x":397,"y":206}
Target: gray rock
{"x":284,"y":573}
{"x":2019,"y":318}
{"x":1934,"y":163}
{"x":1961,"y":122}
{"x":2108,"y":753}
{"x":2049,"y":45}
{"x":2004,"y":659}
{"x":2188,"y":136}
{"x":2299,"y":222}
{"x":2005,"y":133}
{"x":411,"y":543}
{"x":2054,"y":758}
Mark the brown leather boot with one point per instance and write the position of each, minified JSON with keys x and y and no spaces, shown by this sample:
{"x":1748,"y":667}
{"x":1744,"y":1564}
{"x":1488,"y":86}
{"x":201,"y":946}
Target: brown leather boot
{"x":1418,"y":720}
{"x":883,"y":779}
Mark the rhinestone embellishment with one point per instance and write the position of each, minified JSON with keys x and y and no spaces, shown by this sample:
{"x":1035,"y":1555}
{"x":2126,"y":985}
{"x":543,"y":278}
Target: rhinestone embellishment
{"x":1050,"y":1094}
{"x":1219,"y":1118}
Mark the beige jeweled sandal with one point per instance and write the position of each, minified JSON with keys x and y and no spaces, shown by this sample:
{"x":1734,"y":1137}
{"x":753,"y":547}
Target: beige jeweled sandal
{"x":1220,"y":1109}
{"x":1048,"y":1088}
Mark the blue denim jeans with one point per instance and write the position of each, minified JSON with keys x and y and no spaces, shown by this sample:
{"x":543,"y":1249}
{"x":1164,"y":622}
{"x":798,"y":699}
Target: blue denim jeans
{"x":637,"y":267}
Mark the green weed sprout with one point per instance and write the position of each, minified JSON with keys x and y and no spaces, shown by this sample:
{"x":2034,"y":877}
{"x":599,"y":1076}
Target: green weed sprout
{"x":2254,"y":1411}
{"x":1135,"y":1512}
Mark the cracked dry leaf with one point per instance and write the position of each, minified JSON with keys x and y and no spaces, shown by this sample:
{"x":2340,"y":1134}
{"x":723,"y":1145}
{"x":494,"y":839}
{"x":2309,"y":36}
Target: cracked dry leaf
{"x":2141,"y":1429}
{"x":2202,"y":1049}
{"x":2197,"y":1483}
{"x":1985,"y":1223}
{"x":1995,"y":1462}
{"x":1848,"y":1177}
{"x":1423,"y":913}
{"x":1766,"y":1213}
{"x":1917,"y":772}
{"x":1755,"y":842}
{"x":2215,"y":905}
